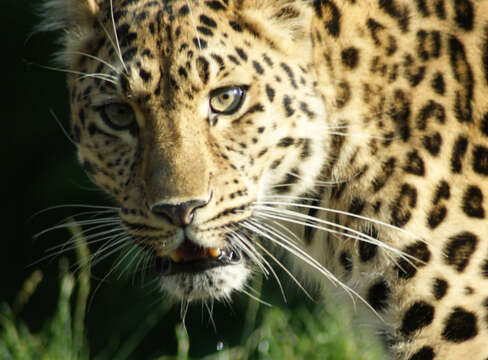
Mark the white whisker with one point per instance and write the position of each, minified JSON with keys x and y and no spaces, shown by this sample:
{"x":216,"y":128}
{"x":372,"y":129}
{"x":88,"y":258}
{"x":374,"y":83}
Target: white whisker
{"x":302,"y":254}
{"x":117,"y":44}
{"x":334,"y":211}
{"x":254,"y":226}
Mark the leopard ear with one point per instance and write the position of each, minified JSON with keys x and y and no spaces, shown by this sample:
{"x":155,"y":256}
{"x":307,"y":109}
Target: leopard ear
{"x":66,"y":14}
{"x":287,"y":23}
{"x":76,"y":17}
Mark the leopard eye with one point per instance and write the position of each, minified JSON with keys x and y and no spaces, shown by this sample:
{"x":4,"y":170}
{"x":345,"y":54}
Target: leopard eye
{"x":118,"y":116}
{"x":227,"y":100}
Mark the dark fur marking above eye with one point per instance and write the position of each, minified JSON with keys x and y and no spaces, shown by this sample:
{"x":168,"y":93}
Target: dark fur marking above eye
{"x":205,"y":30}
{"x":350,"y":57}
{"x":356,"y":206}
{"x":484,"y":124}
{"x":415,"y":164}
{"x":484,"y":56}
{"x":346,"y":261}
{"x":215,"y":5}
{"x":438,"y":84}
{"x":460,"y":326}
{"x":433,"y":143}
{"x":436,"y":216}
{"x":400,"y":113}
{"x":425,"y":353}
{"x":387,"y":169}
{"x":145,"y":75}
{"x":208,"y":21}
{"x":218,"y":59}
{"x":203,"y":69}
{"x":442,"y":192}
{"x":378,"y":295}
{"x":464,"y":14}
{"x":439,"y":288}
{"x":129,"y":54}
{"x":200,"y":43}
{"x":286,"y":142}
{"x":473,"y":202}
{"x":458,"y":153}
{"x":420,"y":256}
{"x":480,"y":160}
{"x":268,"y":60}
{"x":418,"y":316}
{"x":422,"y":8}
{"x":464,"y":76}
{"x":374,"y":28}
{"x":242,"y":54}
{"x":400,"y":13}
{"x":184,"y":10}
{"x":431,"y":110}
{"x":306,"y":110}
{"x":291,"y":75}
{"x":428,"y":44}
{"x":328,"y":10}
{"x":368,"y":250}
{"x":287,"y":104}
{"x":270,"y":92}
{"x":235,"y":26}
{"x":440,"y":9}
{"x":257,"y":66}
{"x":459,"y":249}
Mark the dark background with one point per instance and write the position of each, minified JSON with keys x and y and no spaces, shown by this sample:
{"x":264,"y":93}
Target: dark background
{"x":40,"y":171}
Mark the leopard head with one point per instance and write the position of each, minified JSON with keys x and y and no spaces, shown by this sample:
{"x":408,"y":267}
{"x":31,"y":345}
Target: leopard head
{"x":194,"y":116}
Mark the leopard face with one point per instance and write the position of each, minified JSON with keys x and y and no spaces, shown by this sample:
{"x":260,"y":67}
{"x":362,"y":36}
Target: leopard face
{"x":188,"y":125}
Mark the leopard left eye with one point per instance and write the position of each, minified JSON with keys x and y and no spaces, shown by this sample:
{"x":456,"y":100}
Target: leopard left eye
{"x":227,"y":100}
{"x":118,"y":116}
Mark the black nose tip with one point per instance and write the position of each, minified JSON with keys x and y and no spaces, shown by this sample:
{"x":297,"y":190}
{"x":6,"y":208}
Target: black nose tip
{"x":179,"y":214}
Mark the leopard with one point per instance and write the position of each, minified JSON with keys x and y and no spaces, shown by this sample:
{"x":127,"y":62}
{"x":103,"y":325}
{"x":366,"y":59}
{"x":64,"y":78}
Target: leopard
{"x":353,"y":135}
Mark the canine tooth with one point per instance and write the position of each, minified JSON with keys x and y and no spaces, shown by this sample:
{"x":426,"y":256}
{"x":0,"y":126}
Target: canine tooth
{"x":176,"y":257}
{"x":214,"y":252}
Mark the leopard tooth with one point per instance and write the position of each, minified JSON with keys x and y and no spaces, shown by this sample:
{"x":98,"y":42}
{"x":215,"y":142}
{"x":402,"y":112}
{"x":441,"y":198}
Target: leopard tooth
{"x":176,"y":257}
{"x":214,"y":252}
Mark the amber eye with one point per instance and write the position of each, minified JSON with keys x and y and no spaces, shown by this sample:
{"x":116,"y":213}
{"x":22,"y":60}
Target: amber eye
{"x":227,"y":100}
{"x":119,"y":116}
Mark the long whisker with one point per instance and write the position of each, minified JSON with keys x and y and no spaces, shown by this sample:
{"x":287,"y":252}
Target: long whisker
{"x":81,"y":223}
{"x":94,"y":58}
{"x":197,"y":36}
{"x":253,"y":254}
{"x":117,"y":43}
{"x":101,"y":76}
{"x":65,"y":132}
{"x":266,"y":268}
{"x":334,"y":211}
{"x":300,"y":253}
{"x":254,"y":226}
{"x":283,"y":216}
{"x":254,"y":297}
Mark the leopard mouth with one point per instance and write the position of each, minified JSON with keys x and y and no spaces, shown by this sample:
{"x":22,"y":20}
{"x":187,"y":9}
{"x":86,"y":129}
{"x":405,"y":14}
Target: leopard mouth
{"x":193,"y":259}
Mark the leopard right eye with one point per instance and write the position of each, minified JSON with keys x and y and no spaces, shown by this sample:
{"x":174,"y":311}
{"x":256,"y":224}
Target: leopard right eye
{"x":118,"y":116}
{"x":227,"y":100}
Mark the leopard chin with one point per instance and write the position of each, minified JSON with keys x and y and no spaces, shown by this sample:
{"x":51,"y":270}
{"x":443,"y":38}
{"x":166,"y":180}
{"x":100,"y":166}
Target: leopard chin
{"x":205,"y":274}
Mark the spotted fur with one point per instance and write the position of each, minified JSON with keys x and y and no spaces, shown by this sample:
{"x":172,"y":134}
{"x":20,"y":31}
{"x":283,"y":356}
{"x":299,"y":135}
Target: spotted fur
{"x":364,"y":129}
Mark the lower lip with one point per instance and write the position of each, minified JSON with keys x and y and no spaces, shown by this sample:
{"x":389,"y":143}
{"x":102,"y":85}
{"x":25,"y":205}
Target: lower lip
{"x":168,"y":267}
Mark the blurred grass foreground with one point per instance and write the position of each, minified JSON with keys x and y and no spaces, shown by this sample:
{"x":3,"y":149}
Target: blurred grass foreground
{"x":276,"y":334}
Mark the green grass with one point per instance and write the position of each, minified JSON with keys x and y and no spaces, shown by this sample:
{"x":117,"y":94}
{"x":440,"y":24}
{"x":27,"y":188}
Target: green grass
{"x":325,"y":332}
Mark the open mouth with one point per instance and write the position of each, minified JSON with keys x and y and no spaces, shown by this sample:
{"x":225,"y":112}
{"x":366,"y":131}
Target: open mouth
{"x":191,"y":258}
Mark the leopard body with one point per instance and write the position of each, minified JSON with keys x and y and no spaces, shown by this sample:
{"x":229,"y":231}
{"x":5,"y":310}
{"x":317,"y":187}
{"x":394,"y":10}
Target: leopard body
{"x":361,"y":126}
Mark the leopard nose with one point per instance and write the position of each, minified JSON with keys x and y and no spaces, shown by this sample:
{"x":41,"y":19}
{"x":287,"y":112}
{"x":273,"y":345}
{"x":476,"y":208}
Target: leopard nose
{"x":181,"y":214}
